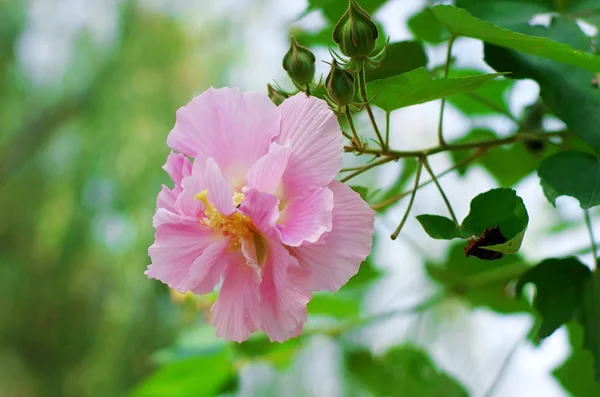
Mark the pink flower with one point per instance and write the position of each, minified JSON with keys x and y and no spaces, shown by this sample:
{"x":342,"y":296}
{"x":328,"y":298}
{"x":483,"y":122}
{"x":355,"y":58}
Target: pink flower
{"x":259,"y":209}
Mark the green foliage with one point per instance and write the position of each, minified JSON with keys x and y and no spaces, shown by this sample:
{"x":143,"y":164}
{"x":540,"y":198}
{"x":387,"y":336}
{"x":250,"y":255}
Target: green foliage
{"x":500,"y":161}
{"x":461,"y":23}
{"x":401,"y":57}
{"x":193,"y":377}
{"x":576,"y":374}
{"x":402,"y":371}
{"x":497,"y":207}
{"x":574,"y":174}
{"x":559,"y":284}
{"x":418,"y":86}
{"x":259,"y":348}
{"x":566,"y":90}
{"x":338,"y":305}
{"x":490,"y":98}
{"x":425,"y":26}
{"x":480,"y":283}
{"x":333,"y":9}
{"x":506,"y":12}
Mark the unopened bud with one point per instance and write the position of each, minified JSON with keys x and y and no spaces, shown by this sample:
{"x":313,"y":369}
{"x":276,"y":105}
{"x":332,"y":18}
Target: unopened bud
{"x":355,"y":33}
{"x":340,"y":85}
{"x":276,"y":95}
{"x":299,"y":63}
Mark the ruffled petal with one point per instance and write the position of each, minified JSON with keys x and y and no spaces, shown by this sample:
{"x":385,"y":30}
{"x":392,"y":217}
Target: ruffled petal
{"x":232,"y":127}
{"x":205,"y":272}
{"x":219,"y":191}
{"x":265,"y":174}
{"x":263,"y":209}
{"x":237,"y":308}
{"x":179,"y":241}
{"x":178,"y":167}
{"x":285,"y":291}
{"x":316,"y":144}
{"x":186,"y":203}
{"x":335,"y":260}
{"x":306,"y":218}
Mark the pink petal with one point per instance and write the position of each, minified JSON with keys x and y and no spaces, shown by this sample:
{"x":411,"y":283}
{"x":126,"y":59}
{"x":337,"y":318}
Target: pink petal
{"x":177,"y":245}
{"x":263,"y":209}
{"x":167,"y":197}
{"x":265,"y":174}
{"x":306,"y":218}
{"x":186,"y":203}
{"x":219,"y":191}
{"x":205,"y":272}
{"x":178,"y":167}
{"x":233,"y":128}
{"x":284,"y":294}
{"x":335,"y":260}
{"x":237,"y":308}
{"x":316,"y":144}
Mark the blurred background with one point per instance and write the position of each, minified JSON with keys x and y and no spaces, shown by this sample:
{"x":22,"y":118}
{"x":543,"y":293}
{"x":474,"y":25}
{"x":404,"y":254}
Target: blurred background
{"x":88,"y":94}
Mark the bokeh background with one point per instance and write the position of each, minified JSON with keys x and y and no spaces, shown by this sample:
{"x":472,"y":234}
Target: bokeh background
{"x":88,"y":94}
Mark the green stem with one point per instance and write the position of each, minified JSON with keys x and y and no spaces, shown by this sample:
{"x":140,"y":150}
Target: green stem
{"x":387,"y":130}
{"x":434,"y":179}
{"x":588,"y":223}
{"x":357,"y":140}
{"x":446,"y":69}
{"x":412,"y":199}
{"x":367,"y":167}
{"x":362,"y":84}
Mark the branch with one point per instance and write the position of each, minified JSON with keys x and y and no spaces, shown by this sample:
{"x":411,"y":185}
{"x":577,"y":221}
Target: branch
{"x":446,"y":69}
{"x":412,"y":199}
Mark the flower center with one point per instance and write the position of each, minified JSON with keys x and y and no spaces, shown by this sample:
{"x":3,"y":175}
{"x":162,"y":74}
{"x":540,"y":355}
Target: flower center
{"x":236,"y":225}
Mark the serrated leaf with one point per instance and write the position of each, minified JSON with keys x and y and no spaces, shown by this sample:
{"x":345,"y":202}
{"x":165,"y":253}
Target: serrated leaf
{"x":559,"y":284}
{"x":566,"y":90}
{"x":461,"y":23}
{"x":440,"y":227}
{"x":481,"y":285}
{"x":402,"y":371}
{"x":424,"y":25}
{"x":401,"y":57}
{"x":418,"y":86}
{"x":575,"y":174}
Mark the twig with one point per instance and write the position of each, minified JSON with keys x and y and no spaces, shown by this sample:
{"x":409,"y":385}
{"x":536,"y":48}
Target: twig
{"x":434,"y":179}
{"x":362,"y":84}
{"x":412,"y":199}
{"x":446,"y":69}
{"x":367,"y":167}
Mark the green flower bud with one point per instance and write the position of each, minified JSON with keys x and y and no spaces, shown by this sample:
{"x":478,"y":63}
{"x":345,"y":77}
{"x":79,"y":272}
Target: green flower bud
{"x":276,"y":95}
{"x":355,"y":33}
{"x":299,"y":63}
{"x":340,"y":85}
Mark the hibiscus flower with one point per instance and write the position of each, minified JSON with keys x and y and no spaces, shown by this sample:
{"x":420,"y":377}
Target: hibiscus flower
{"x":258,"y":212}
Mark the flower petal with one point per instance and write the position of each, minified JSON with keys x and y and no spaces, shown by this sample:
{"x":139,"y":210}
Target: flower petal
{"x":284,"y":294}
{"x":306,"y":218}
{"x":177,"y":245}
{"x":316,"y":144}
{"x":186,"y":203}
{"x":237,"y":308}
{"x":265,"y":174}
{"x":232,"y":127}
{"x":205,"y":272}
{"x":336,"y":259}
{"x":178,"y":167}
{"x":263,"y":209}
{"x":219,"y":191}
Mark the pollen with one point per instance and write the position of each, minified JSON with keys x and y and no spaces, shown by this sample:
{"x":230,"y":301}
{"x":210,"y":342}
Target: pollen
{"x":236,"y":225}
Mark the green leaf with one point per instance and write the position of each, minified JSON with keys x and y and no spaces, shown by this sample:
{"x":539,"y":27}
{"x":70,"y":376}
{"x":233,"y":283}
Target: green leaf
{"x":565,"y":89}
{"x":424,"y":25}
{"x":259,"y":348}
{"x":589,"y":318}
{"x":512,"y":246}
{"x":338,"y":305}
{"x":559,"y":283}
{"x":506,"y":12}
{"x":401,"y":57}
{"x":481,"y":285}
{"x":191,"y":377}
{"x":497,"y":207}
{"x":490,"y":98}
{"x":571,"y":173}
{"x":440,"y":227}
{"x":507,"y":164}
{"x":402,"y":371}
{"x":576,"y":374}
{"x":334,"y":9}
{"x":461,"y":23}
{"x":418,"y":86}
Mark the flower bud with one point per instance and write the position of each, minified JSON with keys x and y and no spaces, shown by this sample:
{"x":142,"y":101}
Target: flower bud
{"x":355,"y":33}
{"x":299,"y":63}
{"x":340,"y":85}
{"x":276,"y":95}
